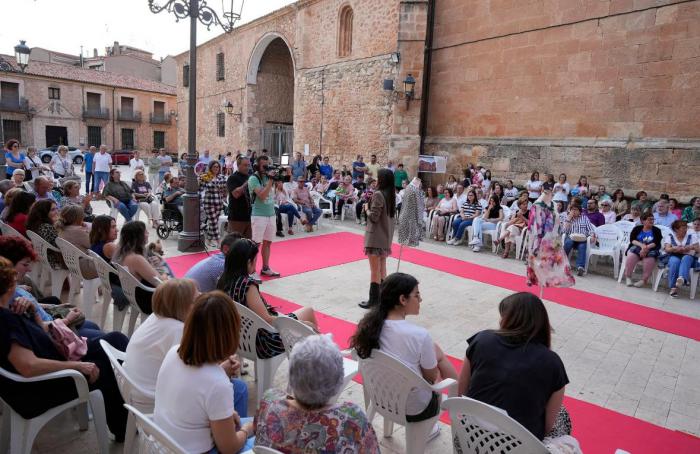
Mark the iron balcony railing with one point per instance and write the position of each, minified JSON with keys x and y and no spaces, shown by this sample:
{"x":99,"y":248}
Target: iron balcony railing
{"x":14,"y":105}
{"x":129,"y":115}
{"x":161,"y":119}
{"x":101,"y":114}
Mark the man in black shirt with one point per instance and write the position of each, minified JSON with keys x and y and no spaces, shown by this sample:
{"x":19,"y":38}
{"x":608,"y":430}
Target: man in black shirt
{"x":239,"y":199}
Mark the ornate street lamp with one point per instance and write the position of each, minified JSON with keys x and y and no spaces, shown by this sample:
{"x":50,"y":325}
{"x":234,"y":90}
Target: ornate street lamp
{"x":197,"y":10}
{"x":22,"y":52}
{"x":409,"y":87}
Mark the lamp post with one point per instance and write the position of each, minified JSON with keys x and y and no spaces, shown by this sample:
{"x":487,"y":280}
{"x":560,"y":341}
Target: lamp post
{"x":190,"y":238}
{"x":22,"y":52}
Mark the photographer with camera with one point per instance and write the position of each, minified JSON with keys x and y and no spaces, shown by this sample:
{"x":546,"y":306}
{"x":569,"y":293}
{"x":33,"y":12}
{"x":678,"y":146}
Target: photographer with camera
{"x":262,"y":218}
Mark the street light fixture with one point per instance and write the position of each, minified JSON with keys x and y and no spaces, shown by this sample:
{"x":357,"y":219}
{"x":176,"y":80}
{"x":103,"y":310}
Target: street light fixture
{"x":228,"y":107}
{"x":22,"y":52}
{"x":409,"y":87}
{"x":196,"y":10}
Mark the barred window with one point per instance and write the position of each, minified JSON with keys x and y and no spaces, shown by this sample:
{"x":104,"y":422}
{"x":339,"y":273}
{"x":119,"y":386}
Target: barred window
{"x":186,"y":76}
{"x":220,"y":66}
{"x":158,"y":139}
{"x":54,"y":93}
{"x":221,"y":124}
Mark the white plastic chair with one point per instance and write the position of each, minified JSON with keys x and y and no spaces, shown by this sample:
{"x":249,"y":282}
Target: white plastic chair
{"x":8,"y":230}
{"x":349,"y":205}
{"x":661,"y":271}
{"x":265,"y":368}
{"x":292,"y":331}
{"x":56,"y":276}
{"x":18,"y":434}
{"x":609,"y":238}
{"x":72,"y":257}
{"x":114,"y":212}
{"x":129,"y":285}
{"x":103,"y":270}
{"x":387,"y":383}
{"x":482,"y":428}
{"x":132,"y":393}
{"x":265,"y":450}
{"x":153,"y":439}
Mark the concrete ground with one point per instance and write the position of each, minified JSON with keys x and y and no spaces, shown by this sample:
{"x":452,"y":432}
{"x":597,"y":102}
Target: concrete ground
{"x":633,"y":370}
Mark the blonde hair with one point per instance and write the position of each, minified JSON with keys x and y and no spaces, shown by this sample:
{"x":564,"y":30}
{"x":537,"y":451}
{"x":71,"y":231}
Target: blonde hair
{"x":174,"y":298}
{"x":70,"y":184}
{"x":70,"y":215}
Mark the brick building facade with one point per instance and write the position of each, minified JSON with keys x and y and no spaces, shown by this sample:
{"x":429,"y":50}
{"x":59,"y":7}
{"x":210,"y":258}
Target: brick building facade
{"x":606,"y":88}
{"x":54,"y":103}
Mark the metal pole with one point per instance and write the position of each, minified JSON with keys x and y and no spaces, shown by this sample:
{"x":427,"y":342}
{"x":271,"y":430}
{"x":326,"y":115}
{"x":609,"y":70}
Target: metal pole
{"x":190,"y":238}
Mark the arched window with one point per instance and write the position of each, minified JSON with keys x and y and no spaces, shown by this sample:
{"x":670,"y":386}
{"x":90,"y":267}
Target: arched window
{"x":345,"y":31}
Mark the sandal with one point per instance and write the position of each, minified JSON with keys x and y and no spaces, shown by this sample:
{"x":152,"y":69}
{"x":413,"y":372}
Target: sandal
{"x":290,"y":232}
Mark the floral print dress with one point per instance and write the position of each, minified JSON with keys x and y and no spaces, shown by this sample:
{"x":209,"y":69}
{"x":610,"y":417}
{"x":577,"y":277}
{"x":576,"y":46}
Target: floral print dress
{"x":341,"y":428}
{"x":547,"y":263}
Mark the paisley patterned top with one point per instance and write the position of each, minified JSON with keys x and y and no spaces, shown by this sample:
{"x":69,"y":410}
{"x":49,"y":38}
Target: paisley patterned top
{"x":342,"y":428}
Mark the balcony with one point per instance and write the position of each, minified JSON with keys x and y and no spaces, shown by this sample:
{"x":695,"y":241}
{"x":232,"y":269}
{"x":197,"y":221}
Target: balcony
{"x":129,"y":115}
{"x":14,"y":105}
{"x":100,"y":114}
{"x":161,"y":119}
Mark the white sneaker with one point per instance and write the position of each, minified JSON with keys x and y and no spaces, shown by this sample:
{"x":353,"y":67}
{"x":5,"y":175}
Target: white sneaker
{"x":474,"y":242}
{"x":639,"y":284}
{"x":477,"y":248}
{"x":451,"y":241}
{"x":680,"y":282}
{"x":628,"y":282}
{"x":434,"y":433}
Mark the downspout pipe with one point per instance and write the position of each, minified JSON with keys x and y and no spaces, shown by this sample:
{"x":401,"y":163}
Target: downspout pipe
{"x":427,"y":69}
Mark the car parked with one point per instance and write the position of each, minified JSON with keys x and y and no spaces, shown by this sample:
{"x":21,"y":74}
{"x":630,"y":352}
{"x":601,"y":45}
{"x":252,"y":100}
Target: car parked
{"x":122,"y":156}
{"x":75,"y":154}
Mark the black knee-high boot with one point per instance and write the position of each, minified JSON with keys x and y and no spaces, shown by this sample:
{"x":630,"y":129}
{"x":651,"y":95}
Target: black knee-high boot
{"x":373,"y":296}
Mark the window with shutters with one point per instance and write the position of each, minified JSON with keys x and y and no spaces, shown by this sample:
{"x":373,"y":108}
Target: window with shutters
{"x":54,"y":93}
{"x":221,"y":124}
{"x":94,"y":136}
{"x":345,"y":31}
{"x":220,"y":66}
{"x":127,"y":139}
{"x":158,"y":139}
{"x":11,"y":129}
{"x":186,"y":76}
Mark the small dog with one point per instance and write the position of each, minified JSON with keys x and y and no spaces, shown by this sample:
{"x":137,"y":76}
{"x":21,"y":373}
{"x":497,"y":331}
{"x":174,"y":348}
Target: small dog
{"x":154,"y":254}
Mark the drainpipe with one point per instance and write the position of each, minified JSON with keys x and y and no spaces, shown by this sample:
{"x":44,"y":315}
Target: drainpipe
{"x":114,"y":138}
{"x":323,"y":103}
{"x":427,"y":69}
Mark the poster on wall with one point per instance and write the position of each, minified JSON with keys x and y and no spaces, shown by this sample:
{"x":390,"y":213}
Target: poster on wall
{"x":432,"y":164}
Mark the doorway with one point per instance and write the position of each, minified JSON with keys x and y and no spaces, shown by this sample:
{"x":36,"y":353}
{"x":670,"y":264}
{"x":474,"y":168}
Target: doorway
{"x":56,"y":135}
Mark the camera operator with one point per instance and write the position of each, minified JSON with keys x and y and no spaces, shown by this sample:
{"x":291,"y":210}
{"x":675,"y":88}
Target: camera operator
{"x":239,"y":199}
{"x":263,"y":213}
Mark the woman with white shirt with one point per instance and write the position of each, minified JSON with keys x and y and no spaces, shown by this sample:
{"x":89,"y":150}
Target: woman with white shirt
{"x":608,"y":213}
{"x":62,"y":166}
{"x":486,"y":182}
{"x":385,"y":327}
{"x":561,"y":191}
{"x":161,"y":331}
{"x":682,"y":249}
{"x":33,"y":164}
{"x":194,"y":403}
{"x":136,"y":163}
{"x":510,"y":193}
{"x":445,"y":208}
{"x":534,"y":186}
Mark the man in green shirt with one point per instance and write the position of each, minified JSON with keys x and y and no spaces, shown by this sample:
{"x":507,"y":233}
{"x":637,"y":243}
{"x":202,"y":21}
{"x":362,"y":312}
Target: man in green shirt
{"x":262,"y":219}
{"x":399,"y":176}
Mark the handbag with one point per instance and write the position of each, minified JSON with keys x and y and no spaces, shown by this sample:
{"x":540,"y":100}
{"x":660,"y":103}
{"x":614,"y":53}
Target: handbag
{"x":60,"y":311}
{"x":71,"y":346}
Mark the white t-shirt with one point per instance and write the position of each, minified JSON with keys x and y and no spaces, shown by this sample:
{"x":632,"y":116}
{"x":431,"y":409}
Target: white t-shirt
{"x":101,"y":162}
{"x":147,"y":348}
{"x":610,"y":217}
{"x":534,"y":189}
{"x":412,"y":345}
{"x":187,"y":398}
{"x":510,"y":194}
{"x":136,"y":164}
{"x":561,"y":192}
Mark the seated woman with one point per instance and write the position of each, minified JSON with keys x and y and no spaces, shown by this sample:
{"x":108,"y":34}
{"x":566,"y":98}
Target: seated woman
{"x":360,"y":213}
{"x":103,"y":235}
{"x":120,"y":195}
{"x":143,"y":192}
{"x":344,"y":193}
{"x":514,"y":227}
{"x":308,"y":419}
{"x":431,"y":199}
{"x":634,"y":215}
{"x":236,"y":282}
{"x":469,"y":211}
{"x":42,"y":220}
{"x":131,"y":254}
{"x":606,"y":209}
{"x":18,"y":213}
{"x":27,"y":349}
{"x":385,"y":327}
{"x":204,"y":421}
{"x":674,"y":207}
{"x":513,"y":368}
{"x":71,"y":196}
{"x":642,"y":200}
{"x":9,"y":197}
{"x":577,"y":228}
{"x":322,"y":185}
{"x":492,"y":215}
{"x":161,"y":331}
{"x":619,"y":204}
{"x":692,"y":211}
{"x":645,"y":245}
{"x":446,"y":207}
{"x":285,"y":206}
{"x":682,"y":250}
{"x":71,"y":228}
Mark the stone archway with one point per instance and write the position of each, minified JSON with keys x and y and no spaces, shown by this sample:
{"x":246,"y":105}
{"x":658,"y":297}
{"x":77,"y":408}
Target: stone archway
{"x":271,"y":96}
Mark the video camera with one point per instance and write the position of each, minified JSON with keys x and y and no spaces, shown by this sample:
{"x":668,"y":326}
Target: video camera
{"x":273,"y":171}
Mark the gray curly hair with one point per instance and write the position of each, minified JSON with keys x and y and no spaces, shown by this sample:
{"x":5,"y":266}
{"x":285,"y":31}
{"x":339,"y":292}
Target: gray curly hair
{"x":315,"y":371}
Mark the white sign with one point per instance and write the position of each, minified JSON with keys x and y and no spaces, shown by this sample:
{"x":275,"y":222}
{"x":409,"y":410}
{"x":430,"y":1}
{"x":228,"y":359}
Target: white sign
{"x":432,"y":164}
{"x":306,"y":149}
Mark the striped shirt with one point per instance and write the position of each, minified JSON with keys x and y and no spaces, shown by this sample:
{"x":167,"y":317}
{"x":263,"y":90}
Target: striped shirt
{"x":470,"y":209}
{"x":580,"y":224}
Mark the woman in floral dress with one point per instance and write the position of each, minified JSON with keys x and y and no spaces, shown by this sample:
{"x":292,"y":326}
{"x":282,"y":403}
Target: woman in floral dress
{"x":547,"y":264}
{"x":212,"y":185}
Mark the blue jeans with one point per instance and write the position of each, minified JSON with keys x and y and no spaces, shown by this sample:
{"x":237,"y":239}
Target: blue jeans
{"x":90,"y":330}
{"x":291,"y":212}
{"x":128,"y":210}
{"x":312,"y":214}
{"x":88,"y":177}
{"x":459,"y":226}
{"x":580,"y":246}
{"x":161,"y":174}
{"x":99,"y":177}
{"x":248,"y":444}
{"x":240,"y":397}
{"x":480,"y":225}
{"x":679,"y":267}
